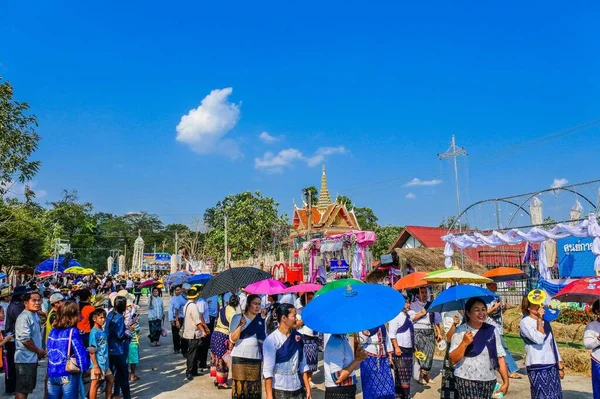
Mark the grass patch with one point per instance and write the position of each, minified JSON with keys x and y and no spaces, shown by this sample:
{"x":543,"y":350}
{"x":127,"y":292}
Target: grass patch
{"x":516,"y":345}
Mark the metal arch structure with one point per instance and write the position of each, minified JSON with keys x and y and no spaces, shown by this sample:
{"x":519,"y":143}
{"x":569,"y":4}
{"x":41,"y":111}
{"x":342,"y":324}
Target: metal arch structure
{"x":496,"y":200}
{"x":554,"y":189}
{"x":530,"y":195}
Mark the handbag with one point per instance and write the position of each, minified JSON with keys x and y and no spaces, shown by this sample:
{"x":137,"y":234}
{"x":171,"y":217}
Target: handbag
{"x":72,"y":366}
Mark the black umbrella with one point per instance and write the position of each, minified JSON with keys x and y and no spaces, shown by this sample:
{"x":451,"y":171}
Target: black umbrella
{"x":232,"y":280}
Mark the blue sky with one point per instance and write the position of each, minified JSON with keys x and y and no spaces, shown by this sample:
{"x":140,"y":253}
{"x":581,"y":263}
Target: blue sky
{"x":374,"y":90}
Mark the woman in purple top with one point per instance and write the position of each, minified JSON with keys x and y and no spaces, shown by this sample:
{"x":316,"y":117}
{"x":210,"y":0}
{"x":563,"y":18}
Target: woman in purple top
{"x":64,"y":339}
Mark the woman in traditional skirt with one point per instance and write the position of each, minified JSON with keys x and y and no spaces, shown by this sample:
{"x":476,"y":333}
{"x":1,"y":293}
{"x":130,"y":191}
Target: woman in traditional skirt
{"x":476,"y":352}
{"x":427,"y":332}
{"x":403,"y":342}
{"x":591,"y":340}
{"x":285,"y":369}
{"x":219,"y":343}
{"x":247,"y":333}
{"x":375,"y":371}
{"x":545,"y":368}
{"x":340,"y":364}
{"x":310,"y":338}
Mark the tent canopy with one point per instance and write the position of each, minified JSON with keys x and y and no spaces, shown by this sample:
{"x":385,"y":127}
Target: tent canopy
{"x":48,"y":265}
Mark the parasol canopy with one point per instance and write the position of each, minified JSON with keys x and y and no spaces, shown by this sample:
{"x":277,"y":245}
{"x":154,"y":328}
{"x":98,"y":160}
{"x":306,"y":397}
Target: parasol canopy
{"x":47,"y":274}
{"x":267,"y":287}
{"x":353,"y":308}
{"x":500,"y":274}
{"x":200,"y":278}
{"x":232,"y":280}
{"x":338,"y":284}
{"x":583,"y":290}
{"x":455,"y":297}
{"x":455,"y":276}
{"x":148,"y":283}
{"x":48,"y":265}
{"x":177,"y":278}
{"x":413,"y":280}
{"x":78,"y":270}
{"x":302,"y":288}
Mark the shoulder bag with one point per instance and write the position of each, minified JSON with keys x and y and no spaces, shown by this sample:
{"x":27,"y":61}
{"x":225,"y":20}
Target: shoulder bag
{"x":72,"y":366}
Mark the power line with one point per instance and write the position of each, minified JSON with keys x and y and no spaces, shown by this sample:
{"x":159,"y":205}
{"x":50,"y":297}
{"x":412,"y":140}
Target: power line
{"x":486,"y":158}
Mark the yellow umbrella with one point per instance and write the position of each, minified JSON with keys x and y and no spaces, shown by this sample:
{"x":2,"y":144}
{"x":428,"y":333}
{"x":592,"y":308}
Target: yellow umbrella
{"x":456,"y":276}
{"x":76,"y":270}
{"x":89,"y":271}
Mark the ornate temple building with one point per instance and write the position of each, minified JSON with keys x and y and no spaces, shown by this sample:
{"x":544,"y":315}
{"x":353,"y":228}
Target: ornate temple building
{"x":326,"y":217}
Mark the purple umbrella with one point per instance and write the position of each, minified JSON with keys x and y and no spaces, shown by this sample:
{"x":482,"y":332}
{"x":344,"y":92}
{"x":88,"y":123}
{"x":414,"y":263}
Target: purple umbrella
{"x":268,"y":287}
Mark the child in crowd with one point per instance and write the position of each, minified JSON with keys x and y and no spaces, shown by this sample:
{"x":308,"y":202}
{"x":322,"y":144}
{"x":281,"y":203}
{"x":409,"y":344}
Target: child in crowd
{"x":99,"y":355}
{"x":132,"y":323}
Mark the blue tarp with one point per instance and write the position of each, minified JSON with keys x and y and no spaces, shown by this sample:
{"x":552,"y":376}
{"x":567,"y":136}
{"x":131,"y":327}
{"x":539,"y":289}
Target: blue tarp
{"x":552,"y":287}
{"x":47,"y":265}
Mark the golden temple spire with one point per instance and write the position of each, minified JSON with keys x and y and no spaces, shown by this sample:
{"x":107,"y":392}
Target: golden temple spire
{"x":324,"y":198}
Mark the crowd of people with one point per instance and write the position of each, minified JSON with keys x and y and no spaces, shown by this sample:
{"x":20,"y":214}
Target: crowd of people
{"x":89,"y":329}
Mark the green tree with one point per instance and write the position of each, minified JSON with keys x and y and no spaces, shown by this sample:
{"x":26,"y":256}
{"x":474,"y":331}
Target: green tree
{"x":311,"y":194}
{"x":21,"y":234}
{"x":449,"y":222}
{"x":18,"y":141}
{"x":252,"y":221}
{"x":365,"y":216}
{"x":386,"y":235}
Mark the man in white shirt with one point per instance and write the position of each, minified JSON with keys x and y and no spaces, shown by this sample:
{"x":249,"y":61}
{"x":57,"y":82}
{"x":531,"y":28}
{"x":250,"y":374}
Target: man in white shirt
{"x":204,"y":310}
{"x":285,"y":343}
{"x":193,"y":331}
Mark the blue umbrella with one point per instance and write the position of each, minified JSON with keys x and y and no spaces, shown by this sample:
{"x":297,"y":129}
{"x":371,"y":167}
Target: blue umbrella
{"x":455,"y":297}
{"x":199,"y":279}
{"x":48,"y":265}
{"x":2,"y":275}
{"x":353,"y":308}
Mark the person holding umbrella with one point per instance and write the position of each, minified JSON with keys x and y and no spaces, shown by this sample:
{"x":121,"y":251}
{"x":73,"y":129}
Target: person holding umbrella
{"x":219,"y":343}
{"x":309,"y":337}
{"x":340,"y":364}
{"x":476,"y":352}
{"x":247,"y":333}
{"x":427,"y":331}
{"x":285,"y":368}
{"x":403,"y":341}
{"x":545,"y":368}
{"x":591,"y":340}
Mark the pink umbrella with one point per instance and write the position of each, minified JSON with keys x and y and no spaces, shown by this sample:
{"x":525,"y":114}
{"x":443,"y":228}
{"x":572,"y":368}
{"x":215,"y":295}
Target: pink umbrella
{"x":268,"y":287}
{"x":304,"y":287}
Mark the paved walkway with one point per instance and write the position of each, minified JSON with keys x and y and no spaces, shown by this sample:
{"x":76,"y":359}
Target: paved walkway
{"x":162,"y":376}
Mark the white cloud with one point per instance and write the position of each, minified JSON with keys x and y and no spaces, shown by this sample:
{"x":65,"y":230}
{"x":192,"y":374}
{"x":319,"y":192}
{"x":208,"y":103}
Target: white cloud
{"x":419,"y":182}
{"x":265,"y":137}
{"x":15,"y":189}
{"x":410,"y":196}
{"x":203,"y":129}
{"x":323,"y":152}
{"x":275,"y":163}
{"x":558,"y":183}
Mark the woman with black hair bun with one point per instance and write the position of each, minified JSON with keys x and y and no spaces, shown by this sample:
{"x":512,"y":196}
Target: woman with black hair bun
{"x":591,"y":340}
{"x":476,"y":352}
{"x":310,"y":337}
{"x":247,"y":333}
{"x":219,"y":343}
{"x":284,"y":359}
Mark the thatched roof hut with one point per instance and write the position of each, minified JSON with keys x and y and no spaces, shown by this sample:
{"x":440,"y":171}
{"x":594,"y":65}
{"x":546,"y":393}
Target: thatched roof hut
{"x":424,"y":260}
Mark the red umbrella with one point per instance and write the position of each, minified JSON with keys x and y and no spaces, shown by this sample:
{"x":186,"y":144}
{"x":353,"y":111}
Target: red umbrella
{"x":499,"y":274}
{"x":584,"y":290}
{"x":47,"y":274}
{"x":148,"y":283}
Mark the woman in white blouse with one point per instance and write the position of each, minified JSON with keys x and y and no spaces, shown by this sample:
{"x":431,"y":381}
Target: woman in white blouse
{"x":544,"y":364}
{"x":476,"y":352}
{"x":591,"y":340}
{"x":340,"y":364}
{"x":247,"y":333}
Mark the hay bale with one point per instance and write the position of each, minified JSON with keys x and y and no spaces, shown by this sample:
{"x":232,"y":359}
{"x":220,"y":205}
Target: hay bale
{"x":576,"y":361}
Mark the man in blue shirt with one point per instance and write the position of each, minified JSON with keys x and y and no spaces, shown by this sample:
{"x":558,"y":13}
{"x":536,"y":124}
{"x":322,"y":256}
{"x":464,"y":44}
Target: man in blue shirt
{"x":176,"y":304}
{"x":28,"y":345}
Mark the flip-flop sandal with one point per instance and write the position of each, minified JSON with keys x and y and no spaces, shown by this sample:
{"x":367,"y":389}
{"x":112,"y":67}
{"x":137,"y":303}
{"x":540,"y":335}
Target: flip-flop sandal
{"x":135,"y":379}
{"x":515,"y":376}
{"x":222,"y":387}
